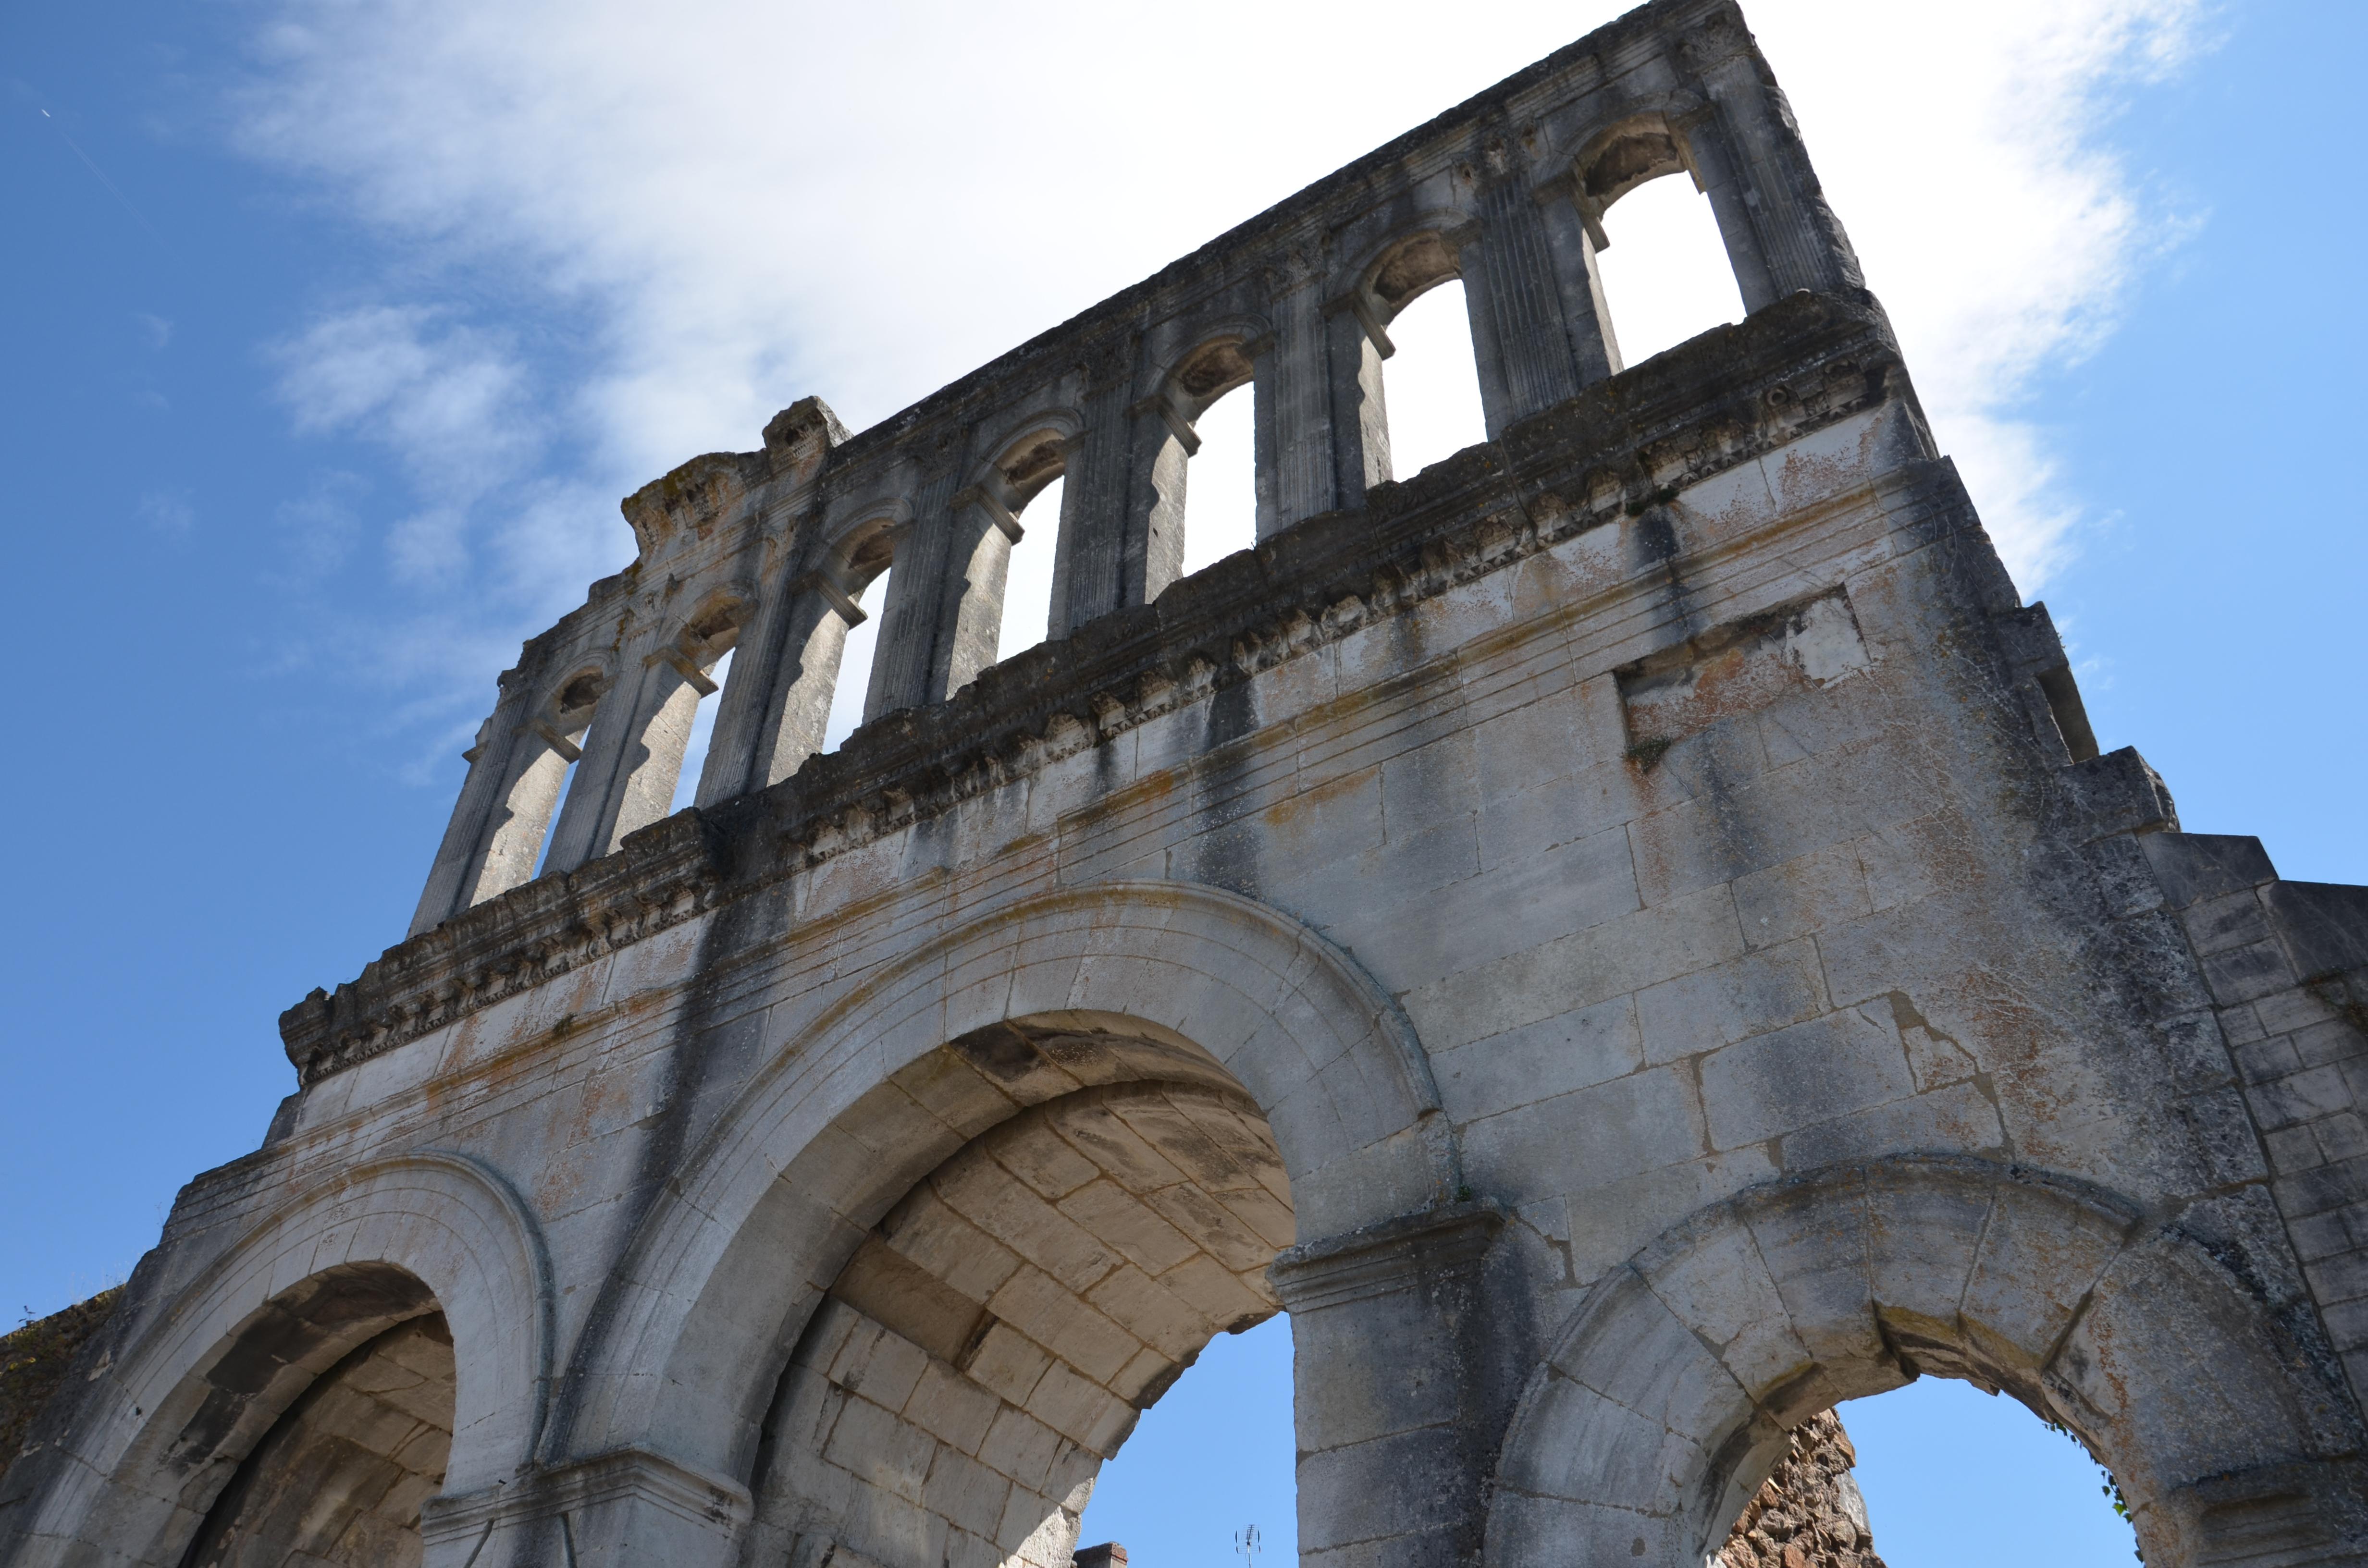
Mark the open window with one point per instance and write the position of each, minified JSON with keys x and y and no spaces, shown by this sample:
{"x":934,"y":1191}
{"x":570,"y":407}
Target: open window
{"x":1214,"y":442}
{"x":857,"y":573}
{"x":522,"y":840}
{"x":705,"y":669}
{"x":1414,"y":306}
{"x":1664,"y":267}
{"x":1029,"y":481}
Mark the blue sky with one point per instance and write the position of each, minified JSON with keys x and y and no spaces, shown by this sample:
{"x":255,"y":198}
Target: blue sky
{"x":334,"y":333}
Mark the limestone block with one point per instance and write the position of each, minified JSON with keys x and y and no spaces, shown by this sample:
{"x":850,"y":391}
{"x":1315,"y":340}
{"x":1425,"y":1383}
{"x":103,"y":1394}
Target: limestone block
{"x":1021,"y":1447}
{"x":1137,"y":1304}
{"x":1714,"y":1284}
{"x":948,"y":1247}
{"x":1957,"y":1116}
{"x":1116,"y":1216}
{"x":951,"y":1407}
{"x":986,"y":1196}
{"x":1701,"y":1012}
{"x":965,"y":1493}
{"x":889,"y":1453}
{"x":1049,"y":1312}
{"x":1553,"y":1056}
{"x":1578,"y":1141}
{"x":1777,"y":1083}
{"x":1802,"y":895}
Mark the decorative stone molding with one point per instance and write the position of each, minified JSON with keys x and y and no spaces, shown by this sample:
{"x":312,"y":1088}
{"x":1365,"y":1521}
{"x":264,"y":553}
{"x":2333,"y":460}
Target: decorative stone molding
{"x":623,"y":1475}
{"x":1376,"y":1259}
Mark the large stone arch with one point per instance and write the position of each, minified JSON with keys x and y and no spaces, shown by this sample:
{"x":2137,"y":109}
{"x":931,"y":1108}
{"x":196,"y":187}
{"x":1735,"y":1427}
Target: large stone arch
{"x":996,"y":1335}
{"x":196,"y":1389}
{"x":1173,"y":982}
{"x":1669,"y":1395}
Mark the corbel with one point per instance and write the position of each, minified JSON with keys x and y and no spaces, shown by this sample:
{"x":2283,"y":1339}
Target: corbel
{"x":823,"y":583}
{"x":1356,"y":302}
{"x":1165,"y":406}
{"x":987,"y":501}
{"x":1681,"y":136}
{"x":568,"y":750}
{"x":695,"y":677}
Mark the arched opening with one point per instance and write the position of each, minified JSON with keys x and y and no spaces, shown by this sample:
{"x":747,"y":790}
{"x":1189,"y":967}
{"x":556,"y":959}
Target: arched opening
{"x":1670,"y":276}
{"x":524,"y":839}
{"x":634,"y":756}
{"x":1210,"y":437}
{"x":997,"y":1332}
{"x":312,"y":1431}
{"x":1433,"y":379}
{"x":1220,"y":509}
{"x":1698,"y":1362}
{"x":340,"y":1478}
{"x":1030,"y":480}
{"x":1418,"y":372}
{"x":662,"y":778}
{"x":1915,"y":1457}
{"x":860,"y":569}
{"x":707,"y":645}
{"x":1213,"y":1459}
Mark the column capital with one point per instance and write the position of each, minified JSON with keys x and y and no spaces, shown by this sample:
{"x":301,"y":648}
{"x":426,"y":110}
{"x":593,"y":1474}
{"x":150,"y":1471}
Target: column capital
{"x":1387,"y":1256}
{"x":457,"y":1528}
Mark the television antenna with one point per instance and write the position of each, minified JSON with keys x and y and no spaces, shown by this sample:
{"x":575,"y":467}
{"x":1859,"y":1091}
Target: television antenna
{"x":1245,"y":1541}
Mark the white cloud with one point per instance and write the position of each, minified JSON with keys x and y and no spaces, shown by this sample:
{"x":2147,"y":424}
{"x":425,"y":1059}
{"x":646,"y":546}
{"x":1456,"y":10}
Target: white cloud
{"x":168,"y":512}
{"x":715,"y":207}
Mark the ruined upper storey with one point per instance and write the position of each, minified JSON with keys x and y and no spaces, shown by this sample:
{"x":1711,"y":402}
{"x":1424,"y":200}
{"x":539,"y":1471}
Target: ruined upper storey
{"x":770,"y":551}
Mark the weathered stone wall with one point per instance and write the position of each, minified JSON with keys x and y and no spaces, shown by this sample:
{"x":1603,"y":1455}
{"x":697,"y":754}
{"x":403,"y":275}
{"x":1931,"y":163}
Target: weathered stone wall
{"x":33,"y":1362}
{"x":1625,"y":936}
{"x":1808,"y":1513}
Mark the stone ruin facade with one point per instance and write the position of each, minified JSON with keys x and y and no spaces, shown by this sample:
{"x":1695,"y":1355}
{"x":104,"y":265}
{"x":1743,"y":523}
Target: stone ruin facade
{"x":1625,"y":935}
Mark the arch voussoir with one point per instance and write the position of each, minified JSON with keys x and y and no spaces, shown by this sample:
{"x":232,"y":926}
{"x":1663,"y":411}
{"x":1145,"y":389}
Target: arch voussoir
{"x":1113,"y":982}
{"x":1773,"y":1305}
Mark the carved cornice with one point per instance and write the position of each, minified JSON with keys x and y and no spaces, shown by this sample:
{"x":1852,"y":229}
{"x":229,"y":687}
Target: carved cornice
{"x":1617,"y":450}
{"x":1394,"y":1255}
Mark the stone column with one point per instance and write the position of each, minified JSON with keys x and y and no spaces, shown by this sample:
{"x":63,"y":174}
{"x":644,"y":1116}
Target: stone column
{"x":790,"y":664}
{"x":1295,"y":385}
{"x":490,"y":798}
{"x":945,"y":599}
{"x":1393,"y":1400}
{"x":1513,"y":295}
{"x":1152,"y":547}
{"x":631,"y":757}
{"x":1089,"y":558}
{"x":1780,"y":233}
{"x":1266,"y":440}
{"x":1355,"y":345}
{"x":905,"y":663}
{"x":1578,"y":281}
{"x":1731,"y":202}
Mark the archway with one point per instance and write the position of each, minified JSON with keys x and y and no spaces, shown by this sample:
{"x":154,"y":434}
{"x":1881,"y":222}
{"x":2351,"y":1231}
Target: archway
{"x":339,"y":1480}
{"x":1678,"y":271}
{"x":288,"y":1331}
{"x":1675,"y":1385}
{"x":993,"y":1339}
{"x":1082,"y":992}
